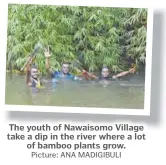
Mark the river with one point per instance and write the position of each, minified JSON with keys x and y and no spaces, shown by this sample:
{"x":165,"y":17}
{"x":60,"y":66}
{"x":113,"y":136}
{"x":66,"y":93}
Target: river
{"x":125,"y":93}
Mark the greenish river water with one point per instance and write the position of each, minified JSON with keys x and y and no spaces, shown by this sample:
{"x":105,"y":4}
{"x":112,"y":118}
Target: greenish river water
{"x":125,"y":93}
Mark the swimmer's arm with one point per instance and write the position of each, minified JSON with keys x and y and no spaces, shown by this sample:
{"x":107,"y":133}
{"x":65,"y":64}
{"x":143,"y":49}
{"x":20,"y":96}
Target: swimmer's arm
{"x":48,"y":69}
{"x":47,"y":65}
{"x":89,"y":75}
{"x":47,"y":62}
{"x":123,"y":74}
{"x":28,"y":74}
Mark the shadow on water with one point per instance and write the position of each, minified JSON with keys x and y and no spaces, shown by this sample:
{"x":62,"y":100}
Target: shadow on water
{"x":155,"y":93}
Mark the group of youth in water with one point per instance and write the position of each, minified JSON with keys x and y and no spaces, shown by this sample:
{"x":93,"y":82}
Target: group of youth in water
{"x":33,"y":80}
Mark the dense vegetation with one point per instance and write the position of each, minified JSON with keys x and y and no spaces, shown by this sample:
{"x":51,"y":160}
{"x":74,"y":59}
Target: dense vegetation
{"x":95,"y":36}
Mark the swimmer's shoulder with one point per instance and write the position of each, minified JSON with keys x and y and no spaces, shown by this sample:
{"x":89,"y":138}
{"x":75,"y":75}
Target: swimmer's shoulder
{"x":70,"y":76}
{"x":56,"y":74}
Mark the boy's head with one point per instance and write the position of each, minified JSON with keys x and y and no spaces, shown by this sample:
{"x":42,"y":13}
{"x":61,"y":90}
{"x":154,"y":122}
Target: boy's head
{"x":34,"y":71}
{"x":105,"y":72}
{"x":65,"y":67}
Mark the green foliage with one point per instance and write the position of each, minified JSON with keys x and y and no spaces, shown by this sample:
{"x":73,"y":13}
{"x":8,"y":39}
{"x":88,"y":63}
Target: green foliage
{"x":136,"y":37}
{"x":95,"y":36}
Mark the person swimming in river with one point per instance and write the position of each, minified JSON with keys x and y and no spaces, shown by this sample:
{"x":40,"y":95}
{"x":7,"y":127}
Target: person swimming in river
{"x":106,"y":78}
{"x":32,"y":74}
{"x":65,"y":71}
{"x":105,"y":74}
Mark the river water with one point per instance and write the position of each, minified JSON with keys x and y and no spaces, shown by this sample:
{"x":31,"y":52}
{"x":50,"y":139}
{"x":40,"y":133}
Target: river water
{"x":125,"y":93}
